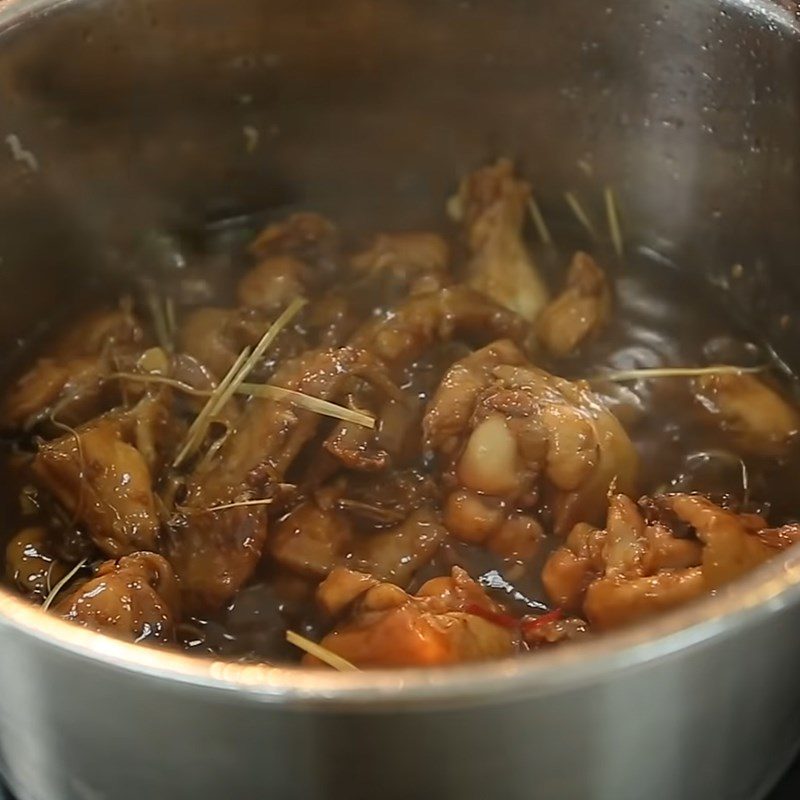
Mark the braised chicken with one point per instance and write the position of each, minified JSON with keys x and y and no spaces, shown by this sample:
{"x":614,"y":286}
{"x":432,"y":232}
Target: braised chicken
{"x":579,"y":312}
{"x":388,"y":628}
{"x":759,"y":420}
{"x":400,"y":449}
{"x":634,"y":568}
{"x":513,"y":433}
{"x":135,"y":598}
{"x":493,"y":205}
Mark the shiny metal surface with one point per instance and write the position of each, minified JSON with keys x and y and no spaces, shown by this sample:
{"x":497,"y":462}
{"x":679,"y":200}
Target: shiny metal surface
{"x":134,"y":113}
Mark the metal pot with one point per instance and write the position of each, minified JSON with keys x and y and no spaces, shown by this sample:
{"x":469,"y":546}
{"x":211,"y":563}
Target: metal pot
{"x":122,"y":115}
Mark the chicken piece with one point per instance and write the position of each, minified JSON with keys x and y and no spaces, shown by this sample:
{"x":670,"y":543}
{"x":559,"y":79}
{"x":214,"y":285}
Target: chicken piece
{"x":306,"y":236}
{"x":570,"y":569}
{"x":355,"y":447}
{"x":312,"y":540}
{"x":414,"y":262}
{"x":626,"y":572}
{"x":399,"y":339}
{"x":99,"y":332}
{"x":214,"y":552}
{"x":552,"y":629}
{"x":384,"y":499}
{"x":216,"y":336}
{"x":396,"y":554}
{"x":407,"y":331}
{"x":341,"y":588}
{"x":579,"y":312}
{"x":759,"y":420}
{"x":614,"y":602}
{"x":72,"y":390}
{"x":32,"y":564}
{"x":509,"y":431}
{"x":479,"y":519}
{"x":135,"y":599}
{"x":493,"y":205}
{"x":72,"y":383}
{"x":273,"y":283}
{"x":104,"y":482}
{"x":389,"y":628}
{"x":780,"y":538}
{"x":635,"y":568}
{"x":374,"y":449}
{"x":332,"y":319}
{"x":731,"y":546}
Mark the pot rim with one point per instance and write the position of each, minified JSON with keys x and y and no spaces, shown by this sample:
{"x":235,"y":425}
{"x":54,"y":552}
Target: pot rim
{"x":769,"y":590}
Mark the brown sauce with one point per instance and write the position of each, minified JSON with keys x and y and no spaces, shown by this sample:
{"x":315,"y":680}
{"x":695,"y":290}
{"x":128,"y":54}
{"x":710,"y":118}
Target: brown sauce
{"x":660,"y":317}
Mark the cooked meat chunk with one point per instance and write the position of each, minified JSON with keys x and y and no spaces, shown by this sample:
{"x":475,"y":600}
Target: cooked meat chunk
{"x":493,"y":204}
{"x":633,"y":569}
{"x":305,"y":236}
{"x":135,"y":598}
{"x":273,"y":283}
{"x":510,"y":431}
{"x":341,"y":588}
{"x":402,"y":336}
{"x":396,"y":554}
{"x":311,"y":539}
{"x":214,"y":552}
{"x":759,"y":420}
{"x":32,"y":564}
{"x":371,"y":418}
{"x":579,"y":312}
{"x":389,"y":628}
{"x":72,"y":383}
{"x":415,"y":262}
{"x":102,"y":481}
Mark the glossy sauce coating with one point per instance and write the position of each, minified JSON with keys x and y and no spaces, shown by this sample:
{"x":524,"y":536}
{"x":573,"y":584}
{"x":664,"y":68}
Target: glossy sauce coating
{"x":504,"y":497}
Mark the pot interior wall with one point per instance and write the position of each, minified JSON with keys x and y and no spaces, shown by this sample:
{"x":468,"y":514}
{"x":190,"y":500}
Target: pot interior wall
{"x":144,"y":115}
{"x":139,"y":115}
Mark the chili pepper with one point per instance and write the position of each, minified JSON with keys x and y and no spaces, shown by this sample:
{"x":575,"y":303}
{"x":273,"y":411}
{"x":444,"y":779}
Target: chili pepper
{"x":530,"y":624}
{"x":525,"y":625}
{"x":504,"y":620}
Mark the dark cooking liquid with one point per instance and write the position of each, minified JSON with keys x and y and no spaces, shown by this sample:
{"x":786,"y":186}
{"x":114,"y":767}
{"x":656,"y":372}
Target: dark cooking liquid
{"x":661,"y":317}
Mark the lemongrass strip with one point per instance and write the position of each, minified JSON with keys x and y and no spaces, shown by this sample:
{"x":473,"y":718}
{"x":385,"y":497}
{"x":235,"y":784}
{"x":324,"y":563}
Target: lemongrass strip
{"x":580,"y":214}
{"x":235,"y":377}
{"x":675,"y":372}
{"x":320,"y":652}
{"x":213,"y":449}
{"x":62,"y":583}
{"x":542,"y":230}
{"x":613,"y":221}
{"x":309,"y":403}
{"x":160,"y":323}
{"x":76,"y":514}
{"x":198,"y":428}
{"x":239,"y":504}
{"x":266,"y":340}
{"x":376,"y":511}
{"x":162,"y":379}
{"x":171,"y":317}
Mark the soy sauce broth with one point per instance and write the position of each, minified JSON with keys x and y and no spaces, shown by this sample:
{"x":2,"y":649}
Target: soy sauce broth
{"x":662,"y":317}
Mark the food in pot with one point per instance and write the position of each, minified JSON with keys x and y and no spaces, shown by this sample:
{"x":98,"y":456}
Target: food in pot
{"x":415,"y":449}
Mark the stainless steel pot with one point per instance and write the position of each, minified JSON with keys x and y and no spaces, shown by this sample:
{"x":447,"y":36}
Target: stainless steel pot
{"x":119,"y":116}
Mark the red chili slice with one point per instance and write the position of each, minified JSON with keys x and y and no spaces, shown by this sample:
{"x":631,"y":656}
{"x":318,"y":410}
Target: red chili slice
{"x":530,"y":624}
{"x":504,"y":620}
